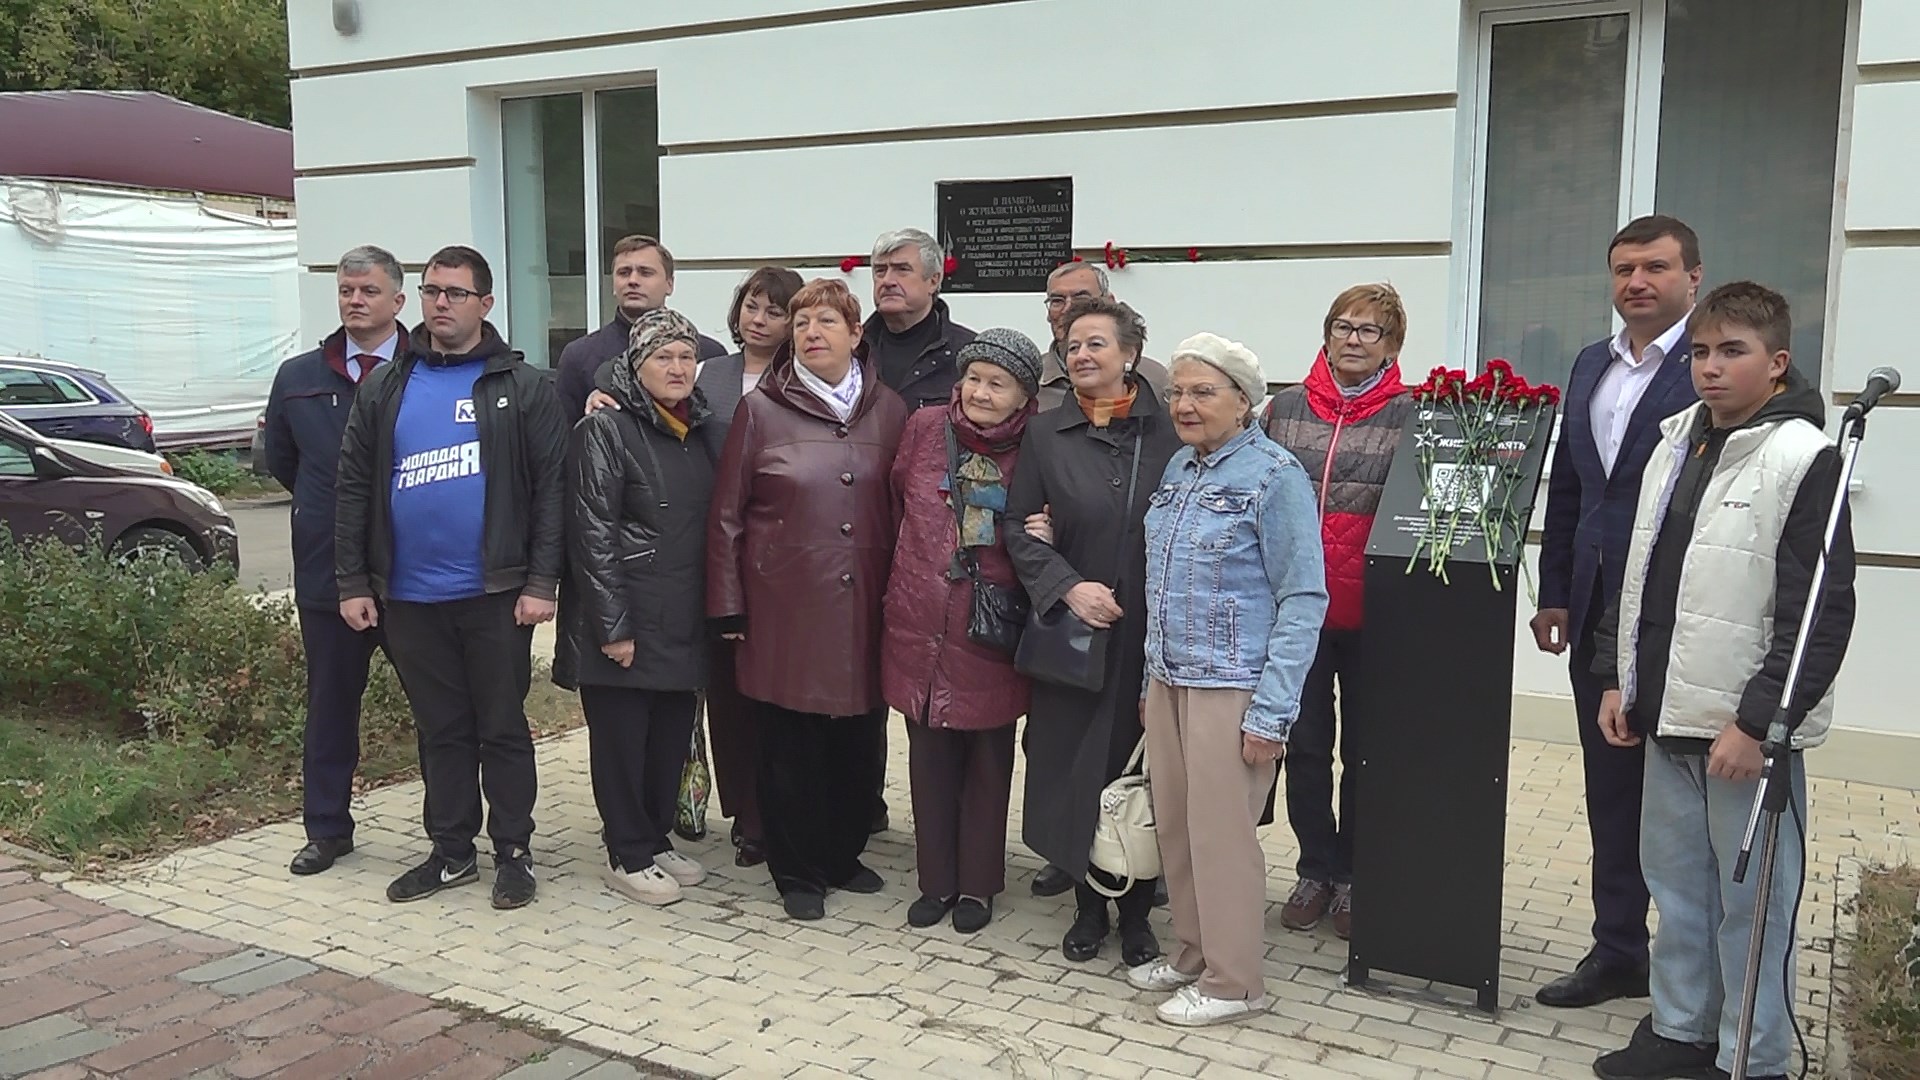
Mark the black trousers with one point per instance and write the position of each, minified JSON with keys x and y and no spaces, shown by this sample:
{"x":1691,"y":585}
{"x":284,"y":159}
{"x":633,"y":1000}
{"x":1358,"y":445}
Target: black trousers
{"x":733,"y":734}
{"x":1134,"y":905}
{"x":1326,"y":841}
{"x":466,"y":667}
{"x":337,"y":661}
{"x":816,"y":795}
{"x":962,"y":781}
{"x":637,"y":749}
{"x":1615,"y":776}
{"x":879,"y":737}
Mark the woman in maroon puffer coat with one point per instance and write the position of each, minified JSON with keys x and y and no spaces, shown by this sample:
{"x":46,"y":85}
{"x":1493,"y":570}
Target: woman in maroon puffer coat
{"x":960,"y":698}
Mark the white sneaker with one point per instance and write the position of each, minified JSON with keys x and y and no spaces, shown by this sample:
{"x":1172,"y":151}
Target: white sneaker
{"x":1191,"y":1008}
{"x":1159,"y":975}
{"x":649,"y":886}
{"x":680,"y":868}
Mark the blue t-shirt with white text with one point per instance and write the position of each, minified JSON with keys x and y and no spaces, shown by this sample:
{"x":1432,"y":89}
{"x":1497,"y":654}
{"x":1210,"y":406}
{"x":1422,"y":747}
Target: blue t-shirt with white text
{"x":439,"y":492}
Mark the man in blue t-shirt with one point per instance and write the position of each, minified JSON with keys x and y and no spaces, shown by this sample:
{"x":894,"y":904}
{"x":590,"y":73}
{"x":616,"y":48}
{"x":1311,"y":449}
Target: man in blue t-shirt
{"x":450,"y":510}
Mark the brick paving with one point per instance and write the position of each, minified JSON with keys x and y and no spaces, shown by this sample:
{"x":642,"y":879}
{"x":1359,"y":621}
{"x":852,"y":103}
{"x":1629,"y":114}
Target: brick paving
{"x":722,"y":985}
{"x":87,"y":990}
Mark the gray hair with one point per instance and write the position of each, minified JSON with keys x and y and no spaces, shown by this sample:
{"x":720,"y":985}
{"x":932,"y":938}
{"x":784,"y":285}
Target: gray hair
{"x":1099,"y":275}
{"x":933,"y":259}
{"x":367,"y":258}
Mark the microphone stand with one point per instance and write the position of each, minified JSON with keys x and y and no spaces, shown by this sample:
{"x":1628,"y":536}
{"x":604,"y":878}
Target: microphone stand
{"x":1776,"y":777}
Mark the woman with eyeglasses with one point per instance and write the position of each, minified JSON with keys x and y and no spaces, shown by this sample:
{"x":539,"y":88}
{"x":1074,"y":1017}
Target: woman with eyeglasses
{"x":1343,"y":423}
{"x":1235,"y":598}
{"x":640,"y":480}
{"x":761,"y":327}
{"x":800,"y":542}
{"x":1086,"y":469}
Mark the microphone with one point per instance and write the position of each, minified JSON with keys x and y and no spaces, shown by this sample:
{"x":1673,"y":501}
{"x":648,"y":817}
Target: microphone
{"x":1881,"y":381}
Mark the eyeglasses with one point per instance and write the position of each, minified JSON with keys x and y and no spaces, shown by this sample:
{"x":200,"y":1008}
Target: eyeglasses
{"x":1055,"y":301}
{"x":1200,"y":395}
{"x":454,"y":294}
{"x":1341,"y":330}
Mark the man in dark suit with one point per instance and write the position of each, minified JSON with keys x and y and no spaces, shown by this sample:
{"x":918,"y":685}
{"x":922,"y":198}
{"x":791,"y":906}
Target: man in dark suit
{"x":1620,"y":390}
{"x":306,"y":414}
{"x":642,"y":281}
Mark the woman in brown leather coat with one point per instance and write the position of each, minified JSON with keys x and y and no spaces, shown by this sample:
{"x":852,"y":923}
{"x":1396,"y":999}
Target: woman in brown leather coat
{"x":800,"y":541}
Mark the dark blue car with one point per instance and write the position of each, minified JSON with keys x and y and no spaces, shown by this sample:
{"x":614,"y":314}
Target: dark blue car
{"x":62,"y":401}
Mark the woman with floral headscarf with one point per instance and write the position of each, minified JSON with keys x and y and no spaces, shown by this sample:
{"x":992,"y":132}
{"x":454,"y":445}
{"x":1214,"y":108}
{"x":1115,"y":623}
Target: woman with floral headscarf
{"x":640,"y":481}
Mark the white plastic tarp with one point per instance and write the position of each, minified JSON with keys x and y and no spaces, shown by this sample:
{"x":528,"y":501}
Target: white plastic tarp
{"x":188,"y":310}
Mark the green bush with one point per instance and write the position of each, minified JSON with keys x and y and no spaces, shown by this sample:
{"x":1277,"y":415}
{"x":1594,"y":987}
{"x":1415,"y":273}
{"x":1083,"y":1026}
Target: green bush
{"x":186,"y":655}
{"x":221,"y":474}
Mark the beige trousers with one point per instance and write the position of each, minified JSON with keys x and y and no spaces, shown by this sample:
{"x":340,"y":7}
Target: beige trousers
{"x":1206,"y":805}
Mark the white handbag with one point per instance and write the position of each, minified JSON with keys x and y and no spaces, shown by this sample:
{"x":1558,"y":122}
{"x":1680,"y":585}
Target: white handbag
{"x":1124,"y":844}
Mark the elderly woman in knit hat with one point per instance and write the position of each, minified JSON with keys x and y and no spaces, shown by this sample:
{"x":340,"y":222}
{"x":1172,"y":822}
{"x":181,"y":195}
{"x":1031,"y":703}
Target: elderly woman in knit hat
{"x":1235,"y":597}
{"x":959,"y":693}
{"x":639,"y":483}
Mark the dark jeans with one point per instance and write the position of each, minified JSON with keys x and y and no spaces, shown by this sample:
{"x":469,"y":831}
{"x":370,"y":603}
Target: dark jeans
{"x":466,"y":667}
{"x":1326,"y":843}
{"x":637,"y":751}
{"x":733,"y":731}
{"x":816,"y":795}
{"x":1615,"y":776}
{"x":337,"y":661}
{"x":962,"y":781}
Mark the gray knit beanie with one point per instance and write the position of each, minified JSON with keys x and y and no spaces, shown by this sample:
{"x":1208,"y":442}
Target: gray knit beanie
{"x":1009,"y":349}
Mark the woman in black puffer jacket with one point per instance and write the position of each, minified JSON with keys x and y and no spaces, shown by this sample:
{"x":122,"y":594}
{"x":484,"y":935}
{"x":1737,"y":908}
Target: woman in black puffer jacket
{"x":639,"y":484}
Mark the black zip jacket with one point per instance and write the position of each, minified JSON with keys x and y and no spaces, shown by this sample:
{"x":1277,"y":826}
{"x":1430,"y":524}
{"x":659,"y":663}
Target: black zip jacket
{"x":306,"y":416}
{"x":523,"y":447}
{"x":637,"y":499}
{"x":1798,"y":553}
{"x":924,"y":374}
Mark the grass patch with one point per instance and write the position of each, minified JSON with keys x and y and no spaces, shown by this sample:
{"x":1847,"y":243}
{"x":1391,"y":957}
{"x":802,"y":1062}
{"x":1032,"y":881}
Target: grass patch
{"x":144,"y":707}
{"x":223,"y":473}
{"x":1880,"y":1002}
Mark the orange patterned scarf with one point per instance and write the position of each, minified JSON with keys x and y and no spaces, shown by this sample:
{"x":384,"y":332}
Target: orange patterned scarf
{"x":1103,"y":411}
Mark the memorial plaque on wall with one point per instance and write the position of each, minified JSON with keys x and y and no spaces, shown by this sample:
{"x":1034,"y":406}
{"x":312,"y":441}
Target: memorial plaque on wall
{"x":1005,"y":235}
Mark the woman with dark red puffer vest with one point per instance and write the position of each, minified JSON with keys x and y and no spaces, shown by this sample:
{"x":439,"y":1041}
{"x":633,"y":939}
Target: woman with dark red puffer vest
{"x":1343,"y":424}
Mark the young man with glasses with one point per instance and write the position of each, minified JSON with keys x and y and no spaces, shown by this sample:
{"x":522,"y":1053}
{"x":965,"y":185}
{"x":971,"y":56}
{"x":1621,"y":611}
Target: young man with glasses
{"x":1069,"y":282}
{"x":450,"y":510}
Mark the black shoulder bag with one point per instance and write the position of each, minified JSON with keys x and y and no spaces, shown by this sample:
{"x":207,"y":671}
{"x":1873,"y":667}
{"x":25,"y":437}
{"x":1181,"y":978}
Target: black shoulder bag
{"x":997,"y":613}
{"x":1057,"y":646}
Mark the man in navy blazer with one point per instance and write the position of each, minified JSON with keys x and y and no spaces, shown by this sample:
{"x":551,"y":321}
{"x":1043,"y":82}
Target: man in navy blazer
{"x":1620,"y":390}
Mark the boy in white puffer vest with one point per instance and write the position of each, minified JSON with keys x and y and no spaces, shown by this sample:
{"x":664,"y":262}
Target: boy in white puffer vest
{"x":1732,"y":516}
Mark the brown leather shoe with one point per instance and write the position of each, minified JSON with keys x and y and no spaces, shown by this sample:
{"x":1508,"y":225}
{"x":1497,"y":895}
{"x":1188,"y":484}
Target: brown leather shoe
{"x":1342,"y":908}
{"x":1307,"y":903}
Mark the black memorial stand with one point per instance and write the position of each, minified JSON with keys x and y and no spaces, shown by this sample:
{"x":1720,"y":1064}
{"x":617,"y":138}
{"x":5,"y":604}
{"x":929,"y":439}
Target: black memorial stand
{"x":1433,"y":708}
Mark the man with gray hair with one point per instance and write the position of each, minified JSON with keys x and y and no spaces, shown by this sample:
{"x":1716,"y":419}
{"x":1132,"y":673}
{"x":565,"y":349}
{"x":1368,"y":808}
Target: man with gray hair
{"x":1069,"y":282}
{"x":306,"y":416}
{"x":910,"y":337}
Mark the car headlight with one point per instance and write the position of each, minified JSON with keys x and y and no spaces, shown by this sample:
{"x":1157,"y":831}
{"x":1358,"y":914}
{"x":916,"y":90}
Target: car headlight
{"x":206,"y":498}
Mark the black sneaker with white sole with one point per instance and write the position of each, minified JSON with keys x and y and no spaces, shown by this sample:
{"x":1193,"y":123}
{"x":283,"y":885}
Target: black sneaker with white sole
{"x":513,"y":879}
{"x":432,"y":876}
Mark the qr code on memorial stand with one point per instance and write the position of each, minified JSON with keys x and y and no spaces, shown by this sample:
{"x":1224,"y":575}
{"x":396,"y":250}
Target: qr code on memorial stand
{"x":1465,"y":488}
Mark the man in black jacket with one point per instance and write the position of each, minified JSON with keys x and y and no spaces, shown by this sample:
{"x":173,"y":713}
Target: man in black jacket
{"x":306,"y":414}
{"x":910,"y":337}
{"x":642,"y":281}
{"x":450,"y":510}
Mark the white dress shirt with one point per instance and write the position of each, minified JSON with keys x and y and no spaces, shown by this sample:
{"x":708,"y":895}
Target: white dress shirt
{"x":356,"y":369}
{"x":1624,"y":384}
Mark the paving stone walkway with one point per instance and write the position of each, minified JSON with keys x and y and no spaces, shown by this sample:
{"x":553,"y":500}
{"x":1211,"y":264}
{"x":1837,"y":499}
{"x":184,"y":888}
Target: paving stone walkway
{"x":88,"y":990}
{"x":722,"y":985}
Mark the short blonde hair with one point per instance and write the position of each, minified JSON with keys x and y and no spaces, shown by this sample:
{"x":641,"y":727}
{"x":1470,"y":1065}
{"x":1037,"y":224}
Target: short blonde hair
{"x":827,"y":293}
{"x":1380,"y":298}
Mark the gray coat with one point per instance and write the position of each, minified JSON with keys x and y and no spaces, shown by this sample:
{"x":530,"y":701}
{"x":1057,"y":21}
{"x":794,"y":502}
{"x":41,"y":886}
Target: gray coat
{"x":719,"y":383}
{"x":1077,"y":742}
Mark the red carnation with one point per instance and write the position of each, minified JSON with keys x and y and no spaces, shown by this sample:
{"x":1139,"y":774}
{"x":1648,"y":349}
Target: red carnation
{"x":850,"y":263}
{"x":1500,"y":369}
{"x":1193,"y":254}
{"x":950,"y":265}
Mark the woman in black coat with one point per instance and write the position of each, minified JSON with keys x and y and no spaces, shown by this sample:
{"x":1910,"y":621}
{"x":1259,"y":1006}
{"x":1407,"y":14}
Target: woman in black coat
{"x":640,"y":483}
{"x":1077,"y":464}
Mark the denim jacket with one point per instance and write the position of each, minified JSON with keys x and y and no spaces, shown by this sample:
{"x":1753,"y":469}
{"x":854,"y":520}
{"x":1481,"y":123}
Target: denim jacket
{"x":1236,"y":590}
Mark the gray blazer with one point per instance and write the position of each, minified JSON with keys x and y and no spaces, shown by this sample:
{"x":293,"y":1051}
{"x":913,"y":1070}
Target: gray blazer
{"x":719,"y":381}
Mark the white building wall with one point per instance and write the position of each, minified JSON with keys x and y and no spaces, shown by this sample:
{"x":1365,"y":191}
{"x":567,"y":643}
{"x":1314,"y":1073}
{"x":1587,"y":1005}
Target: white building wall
{"x":795,"y":131}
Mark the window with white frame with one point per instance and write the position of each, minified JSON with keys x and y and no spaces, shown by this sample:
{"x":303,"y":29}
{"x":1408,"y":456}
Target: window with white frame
{"x":581,"y":171}
{"x":1588,"y":113}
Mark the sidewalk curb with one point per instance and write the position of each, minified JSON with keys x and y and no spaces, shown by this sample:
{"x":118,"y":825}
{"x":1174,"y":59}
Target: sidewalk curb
{"x":40,"y":861}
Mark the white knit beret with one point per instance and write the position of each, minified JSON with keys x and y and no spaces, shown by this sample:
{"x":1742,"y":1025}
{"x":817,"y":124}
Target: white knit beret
{"x":1231,"y":358}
